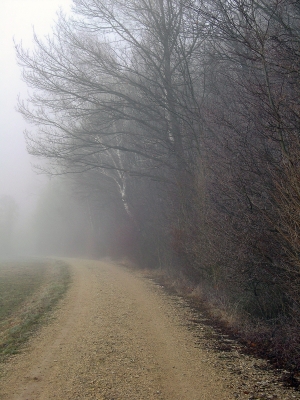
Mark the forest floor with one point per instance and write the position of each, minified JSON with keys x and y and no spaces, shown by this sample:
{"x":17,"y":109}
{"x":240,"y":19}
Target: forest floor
{"x":118,"y":335}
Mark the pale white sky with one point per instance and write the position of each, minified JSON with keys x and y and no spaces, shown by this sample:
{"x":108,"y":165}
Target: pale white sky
{"x":17,"y":17}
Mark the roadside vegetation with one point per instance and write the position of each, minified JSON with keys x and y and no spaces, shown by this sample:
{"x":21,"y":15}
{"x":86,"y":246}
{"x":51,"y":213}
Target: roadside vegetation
{"x":257,"y":337}
{"x":28,"y":291}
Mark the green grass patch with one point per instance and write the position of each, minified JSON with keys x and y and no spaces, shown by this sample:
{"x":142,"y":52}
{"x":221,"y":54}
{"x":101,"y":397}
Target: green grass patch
{"x":28,"y":292}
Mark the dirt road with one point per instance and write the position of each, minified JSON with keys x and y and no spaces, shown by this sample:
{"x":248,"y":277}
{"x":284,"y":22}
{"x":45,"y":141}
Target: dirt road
{"x":114,"y":337}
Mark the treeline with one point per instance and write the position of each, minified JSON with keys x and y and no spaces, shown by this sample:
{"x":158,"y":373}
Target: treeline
{"x":181,"y":120}
{"x":8,"y":216}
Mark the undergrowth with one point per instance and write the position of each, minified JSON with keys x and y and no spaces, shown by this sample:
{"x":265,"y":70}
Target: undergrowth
{"x":276,"y":340}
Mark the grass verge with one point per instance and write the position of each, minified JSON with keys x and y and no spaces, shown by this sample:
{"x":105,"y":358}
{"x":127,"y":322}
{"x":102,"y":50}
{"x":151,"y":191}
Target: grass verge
{"x":28,"y":292}
{"x":278,"y":344}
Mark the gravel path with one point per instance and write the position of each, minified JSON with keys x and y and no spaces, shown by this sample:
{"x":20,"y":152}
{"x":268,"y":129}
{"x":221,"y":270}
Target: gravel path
{"x":115,"y":337}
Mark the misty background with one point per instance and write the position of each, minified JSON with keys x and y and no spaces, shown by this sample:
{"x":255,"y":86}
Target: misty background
{"x":20,"y":186}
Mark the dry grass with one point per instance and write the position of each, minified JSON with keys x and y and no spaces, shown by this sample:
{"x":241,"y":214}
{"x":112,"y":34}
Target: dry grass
{"x":277,"y":341}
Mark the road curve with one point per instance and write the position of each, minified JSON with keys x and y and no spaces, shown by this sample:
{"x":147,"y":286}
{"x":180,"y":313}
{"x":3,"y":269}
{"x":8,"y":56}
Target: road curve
{"x":114,"y":337}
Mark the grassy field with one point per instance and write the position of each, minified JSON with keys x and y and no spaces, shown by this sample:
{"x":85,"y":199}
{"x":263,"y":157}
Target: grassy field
{"x":28,"y":291}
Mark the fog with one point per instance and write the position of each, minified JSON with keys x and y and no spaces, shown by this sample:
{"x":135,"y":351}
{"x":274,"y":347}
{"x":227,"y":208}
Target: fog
{"x":20,"y":186}
{"x":39,"y":214}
